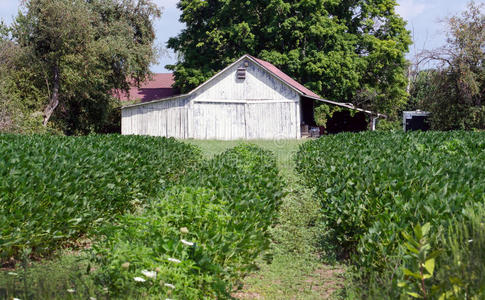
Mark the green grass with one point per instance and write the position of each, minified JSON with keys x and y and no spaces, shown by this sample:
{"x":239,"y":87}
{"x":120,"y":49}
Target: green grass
{"x":293,"y":277}
{"x":50,"y":279}
{"x":283,"y":149}
{"x":296,"y":271}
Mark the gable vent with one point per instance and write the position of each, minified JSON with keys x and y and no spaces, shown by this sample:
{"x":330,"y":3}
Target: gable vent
{"x":241,"y":73}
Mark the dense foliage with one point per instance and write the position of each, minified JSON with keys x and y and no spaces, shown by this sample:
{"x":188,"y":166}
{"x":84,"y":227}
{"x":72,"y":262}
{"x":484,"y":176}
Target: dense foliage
{"x":53,"y":189}
{"x":373,"y":186}
{"x":73,"y":54}
{"x":197,"y":240}
{"x":18,"y":97}
{"x":348,"y":51}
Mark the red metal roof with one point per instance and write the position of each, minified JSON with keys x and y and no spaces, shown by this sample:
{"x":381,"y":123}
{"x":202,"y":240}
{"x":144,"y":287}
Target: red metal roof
{"x":160,"y":86}
{"x":290,"y":81}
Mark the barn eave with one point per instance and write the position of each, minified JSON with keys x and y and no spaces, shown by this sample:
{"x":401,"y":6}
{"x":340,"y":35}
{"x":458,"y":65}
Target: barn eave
{"x":155,"y":101}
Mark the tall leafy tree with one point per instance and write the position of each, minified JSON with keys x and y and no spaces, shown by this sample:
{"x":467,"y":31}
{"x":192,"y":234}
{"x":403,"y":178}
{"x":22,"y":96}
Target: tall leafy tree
{"x":81,"y":50}
{"x":345,"y":50}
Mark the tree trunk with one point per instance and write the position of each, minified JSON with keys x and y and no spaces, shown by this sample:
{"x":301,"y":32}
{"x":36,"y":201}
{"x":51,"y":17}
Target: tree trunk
{"x":54,"y":100}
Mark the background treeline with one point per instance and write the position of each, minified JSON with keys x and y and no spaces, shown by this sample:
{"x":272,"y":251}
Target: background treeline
{"x":60,"y":60}
{"x":454,"y":89}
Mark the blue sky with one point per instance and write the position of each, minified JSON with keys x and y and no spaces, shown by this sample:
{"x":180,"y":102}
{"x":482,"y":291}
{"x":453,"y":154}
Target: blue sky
{"x":422,"y":17}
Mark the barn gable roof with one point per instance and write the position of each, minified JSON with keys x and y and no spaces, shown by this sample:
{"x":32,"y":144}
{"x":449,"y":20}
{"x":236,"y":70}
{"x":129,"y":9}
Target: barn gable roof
{"x":270,"y":68}
{"x":285,"y":78}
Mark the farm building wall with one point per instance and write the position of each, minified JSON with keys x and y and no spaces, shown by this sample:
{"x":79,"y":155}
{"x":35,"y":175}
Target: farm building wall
{"x":244,"y":120}
{"x":260,"y":106}
{"x":162,"y":118}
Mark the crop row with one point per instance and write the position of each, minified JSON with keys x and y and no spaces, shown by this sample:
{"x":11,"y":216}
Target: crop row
{"x":53,"y":189}
{"x":197,"y":240}
{"x":374,"y":186}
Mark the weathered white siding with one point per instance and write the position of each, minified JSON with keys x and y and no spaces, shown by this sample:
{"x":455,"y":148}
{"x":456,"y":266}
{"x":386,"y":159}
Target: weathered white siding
{"x":163,"y":118}
{"x":271,"y":120}
{"x":245,"y":120}
{"x":219,"y":121}
{"x":225,"y":108}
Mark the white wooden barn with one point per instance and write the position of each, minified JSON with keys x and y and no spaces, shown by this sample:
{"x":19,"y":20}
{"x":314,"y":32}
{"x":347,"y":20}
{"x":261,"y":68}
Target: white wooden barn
{"x":250,"y":99}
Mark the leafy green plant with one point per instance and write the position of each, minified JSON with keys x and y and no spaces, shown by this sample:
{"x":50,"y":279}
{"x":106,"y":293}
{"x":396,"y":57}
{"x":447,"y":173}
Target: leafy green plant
{"x":372,"y":185}
{"x":247,"y":176}
{"x":196,"y":240}
{"x":418,"y":249}
{"x":461,"y":260}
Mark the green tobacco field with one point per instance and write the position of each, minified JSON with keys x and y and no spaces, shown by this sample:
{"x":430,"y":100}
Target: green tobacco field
{"x":368,"y":215}
{"x":405,"y":210}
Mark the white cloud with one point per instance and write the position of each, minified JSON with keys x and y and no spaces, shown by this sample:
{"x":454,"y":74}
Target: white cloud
{"x":409,"y":9}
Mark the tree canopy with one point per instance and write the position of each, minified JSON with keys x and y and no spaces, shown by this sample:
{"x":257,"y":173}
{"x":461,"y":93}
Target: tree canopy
{"x":344,"y":50}
{"x":78,"y":51}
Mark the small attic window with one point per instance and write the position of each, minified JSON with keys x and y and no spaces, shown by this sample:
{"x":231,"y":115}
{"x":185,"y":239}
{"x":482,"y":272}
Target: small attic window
{"x":241,"y":73}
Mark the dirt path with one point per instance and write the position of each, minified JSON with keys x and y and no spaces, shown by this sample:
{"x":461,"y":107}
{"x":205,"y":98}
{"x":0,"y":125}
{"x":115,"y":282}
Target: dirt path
{"x":295,"y":271}
{"x":322,"y":283}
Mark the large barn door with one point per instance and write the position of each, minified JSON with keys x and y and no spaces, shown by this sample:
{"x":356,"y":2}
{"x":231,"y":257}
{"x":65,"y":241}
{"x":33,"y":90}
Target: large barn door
{"x":271,"y":120}
{"x":219,"y":121}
